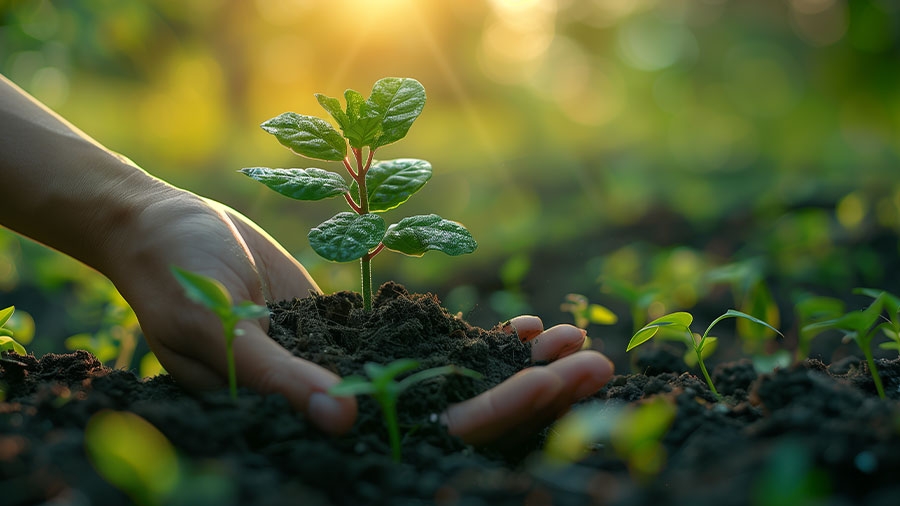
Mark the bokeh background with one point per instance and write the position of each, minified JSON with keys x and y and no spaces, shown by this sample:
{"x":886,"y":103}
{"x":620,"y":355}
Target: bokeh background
{"x":652,"y":155}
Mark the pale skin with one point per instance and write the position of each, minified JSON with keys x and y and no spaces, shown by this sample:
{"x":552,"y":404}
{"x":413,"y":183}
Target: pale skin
{"x":67,"y":191}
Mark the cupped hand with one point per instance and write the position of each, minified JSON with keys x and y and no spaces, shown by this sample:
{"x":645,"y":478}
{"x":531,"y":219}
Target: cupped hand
{"x":208,"y":238}
{"x":535,"y":396}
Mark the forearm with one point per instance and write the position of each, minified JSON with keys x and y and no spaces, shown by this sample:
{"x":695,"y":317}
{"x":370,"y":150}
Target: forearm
{"x":62,"y":188}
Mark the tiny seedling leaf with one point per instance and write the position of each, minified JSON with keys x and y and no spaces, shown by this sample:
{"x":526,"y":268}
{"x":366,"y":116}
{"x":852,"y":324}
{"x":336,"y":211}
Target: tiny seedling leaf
{"x":680,"y":320}
{"x":390,"y":183}
{"x":347,"y":236}
{"x":203,"y":290}
{"x":308,"y":136}
{"x":9,"y":344}
{"x":890,"y":345}
{"x":733,"y":313}
{"x":300,"y":184}
{"x":601,"y":315}
{"x":333,"y":106}
{"x":247,"y":310}
{"x":352,"y":385}
{"x":6,"y":314}
{"x":417,"y":234}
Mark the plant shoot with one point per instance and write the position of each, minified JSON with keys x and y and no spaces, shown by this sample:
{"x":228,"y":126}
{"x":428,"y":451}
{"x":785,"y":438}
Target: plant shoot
{"x":702,"y":345}
{"x":211,"y":294}
{"x":376,"y":186}
{"x":386,"y":390}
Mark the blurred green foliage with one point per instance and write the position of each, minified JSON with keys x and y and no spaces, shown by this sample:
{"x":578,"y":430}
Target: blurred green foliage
{"x":564,"y":133}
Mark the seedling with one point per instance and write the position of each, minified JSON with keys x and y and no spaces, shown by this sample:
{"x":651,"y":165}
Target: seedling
{"x":701,"y":345}
{"x":862,"y":326}
{"x":377,"y":186}
{"x":7,"y":343}
{"x":210,"y":293}
{"x":385,"y":389}
{"x":586,"y":313}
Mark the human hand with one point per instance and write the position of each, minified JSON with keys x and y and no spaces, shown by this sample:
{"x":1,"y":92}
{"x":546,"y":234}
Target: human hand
{"x":211,"y":239}
{"x":535,"y":396}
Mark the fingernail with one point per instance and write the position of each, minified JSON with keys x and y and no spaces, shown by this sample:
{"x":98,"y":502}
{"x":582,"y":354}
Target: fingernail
{"x":325,"y":411}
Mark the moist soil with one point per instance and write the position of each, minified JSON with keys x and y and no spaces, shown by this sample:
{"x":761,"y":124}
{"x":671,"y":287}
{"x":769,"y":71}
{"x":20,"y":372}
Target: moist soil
{"x":808,"y":434}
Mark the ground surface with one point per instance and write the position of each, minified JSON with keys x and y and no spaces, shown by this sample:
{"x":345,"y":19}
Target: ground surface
{"x":810,"y":434}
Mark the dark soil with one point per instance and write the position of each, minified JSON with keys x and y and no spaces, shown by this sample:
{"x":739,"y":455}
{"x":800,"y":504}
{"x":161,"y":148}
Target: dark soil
{"x":810,"y":434}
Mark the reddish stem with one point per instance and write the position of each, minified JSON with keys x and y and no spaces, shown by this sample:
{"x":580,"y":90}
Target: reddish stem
{"x":369,"y":160}
{"x":350,"y":169}
{"x":375,"y":251}
{"x":353,"y":204}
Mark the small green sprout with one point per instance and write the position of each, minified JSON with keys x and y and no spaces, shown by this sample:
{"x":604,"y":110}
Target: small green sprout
{"x":377,"y":186}
{"x":586,"y":313}
{"x":386,"y":390}
{"x":7,"y":343}
{"x":701,"y":345}
{"x":212,"y":294}
{"x":862,"y":326}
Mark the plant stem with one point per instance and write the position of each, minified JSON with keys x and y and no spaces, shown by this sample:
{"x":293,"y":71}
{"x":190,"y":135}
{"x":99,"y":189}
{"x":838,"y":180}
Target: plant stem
{"x":365,"y":262}
{"x":706,"y":374}
{"x":389,"y":407}
{"x":875,"y":376}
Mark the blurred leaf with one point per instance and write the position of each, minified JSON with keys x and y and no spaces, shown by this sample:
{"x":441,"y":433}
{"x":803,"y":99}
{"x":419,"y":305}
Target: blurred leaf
{"x":9,"y":344}
{"x":204,"y":290}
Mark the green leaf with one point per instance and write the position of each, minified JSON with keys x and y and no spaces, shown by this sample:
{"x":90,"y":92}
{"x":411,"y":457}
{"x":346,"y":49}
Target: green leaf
{"x":203,"y":290}
{"x":300,"y":184}
{"x":417,"y":234}
{"x":333,"y":106}
{"x":390,"y":371}
{"x":6,"y":332}
{"x":347,"y":236}
{"x":890,"y":345}
{"x":390,"y":183}
{"x":10,"y":344}
{"x":679,"y":319}
{"x":247,"y":310}
{"x":733,"y":313}
{"x":396,"y":102}
{"x":6,"y":314}
{"x":363,"y":125}
{"x":308,"y":136}
{"x":350,"y":386}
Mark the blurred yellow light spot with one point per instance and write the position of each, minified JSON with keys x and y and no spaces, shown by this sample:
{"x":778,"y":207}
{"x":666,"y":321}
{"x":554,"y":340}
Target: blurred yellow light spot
{"x":851,"y":210}
{"x":133,"y":455}
{"x":283,"y":12}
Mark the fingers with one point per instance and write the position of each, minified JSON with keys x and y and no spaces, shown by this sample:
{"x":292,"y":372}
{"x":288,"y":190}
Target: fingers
{"x":528,"y":400}
{"x":268,"y":368}
{"x":557,"y":342}
{"x":527,"y":327}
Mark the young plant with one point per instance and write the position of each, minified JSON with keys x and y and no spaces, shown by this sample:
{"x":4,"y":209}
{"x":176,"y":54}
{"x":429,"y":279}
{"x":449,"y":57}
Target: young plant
{"x":862,"y":326}
{"x":586,"y":313}
{"x":7,"y":343}
{"x":210,"y":293}
{"x":377,"y":186}
{"x":385,"y":389}
{"x":701,"y":345}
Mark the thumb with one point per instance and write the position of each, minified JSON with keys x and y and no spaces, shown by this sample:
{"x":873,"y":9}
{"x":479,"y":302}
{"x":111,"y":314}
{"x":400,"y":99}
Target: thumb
{"x":268,"y":368}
